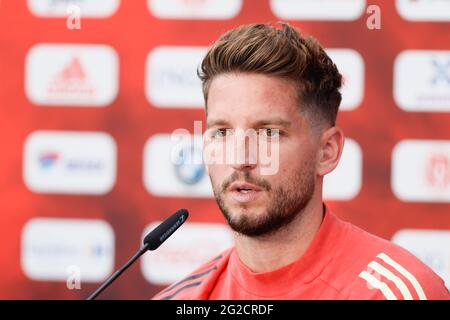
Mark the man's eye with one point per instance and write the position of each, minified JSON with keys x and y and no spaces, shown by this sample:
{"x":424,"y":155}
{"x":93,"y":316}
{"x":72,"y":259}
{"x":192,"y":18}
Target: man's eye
{"x":269,"y":132}
{"x":221,"y":133}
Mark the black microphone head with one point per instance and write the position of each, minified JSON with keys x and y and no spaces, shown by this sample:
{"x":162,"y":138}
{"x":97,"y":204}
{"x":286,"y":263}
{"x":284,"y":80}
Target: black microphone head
{"x":162,"y":232}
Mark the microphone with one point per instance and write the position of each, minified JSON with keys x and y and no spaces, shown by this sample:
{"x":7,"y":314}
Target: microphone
{"x":151,"y":242}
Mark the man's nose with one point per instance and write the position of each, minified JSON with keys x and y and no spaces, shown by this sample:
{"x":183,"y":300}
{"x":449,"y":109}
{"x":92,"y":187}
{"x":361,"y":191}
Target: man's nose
{"x":245,"y":153}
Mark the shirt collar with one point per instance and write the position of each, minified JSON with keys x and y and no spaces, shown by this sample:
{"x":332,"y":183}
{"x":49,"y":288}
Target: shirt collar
{"x":304,"y":270}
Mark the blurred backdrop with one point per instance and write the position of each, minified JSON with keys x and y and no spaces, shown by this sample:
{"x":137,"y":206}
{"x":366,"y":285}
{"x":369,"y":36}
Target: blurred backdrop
{"x":91,"y":90}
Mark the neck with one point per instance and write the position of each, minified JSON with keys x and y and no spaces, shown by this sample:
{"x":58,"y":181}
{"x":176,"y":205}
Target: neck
{"x":268,"y":253}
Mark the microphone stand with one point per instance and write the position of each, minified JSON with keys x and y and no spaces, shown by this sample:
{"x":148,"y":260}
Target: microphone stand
{"x":116,"y":274}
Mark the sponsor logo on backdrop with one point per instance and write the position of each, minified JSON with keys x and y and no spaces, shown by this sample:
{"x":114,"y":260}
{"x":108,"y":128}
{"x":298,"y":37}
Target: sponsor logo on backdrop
{"x":71,"y":75}
{"x":318,"y":9}
{"x":421,"y":170}
{"x":351,"y":65}
{"x":194,"y":9}
{"x":71,"y":80}
{"x":48,"y":159}
{"x":430,"y":246}
{"x":177,"y":257}
{"x":344,"y":182}
{"x":438,"y":171}
{"x":424,"y":10}
{"x":422,"y":81}
{"x":171,"y":77}
{"x":52,"y":247}
{"x":188,"y":164}
{"x":59,"y":8}
{"x":69,"y":162}
{"x":170,"y":171}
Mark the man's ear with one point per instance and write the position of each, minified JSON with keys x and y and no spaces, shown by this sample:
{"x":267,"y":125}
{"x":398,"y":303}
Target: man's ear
{"x":331,"y":146}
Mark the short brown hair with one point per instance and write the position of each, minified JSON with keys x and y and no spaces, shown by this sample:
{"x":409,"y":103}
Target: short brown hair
{"x":281,"y":52}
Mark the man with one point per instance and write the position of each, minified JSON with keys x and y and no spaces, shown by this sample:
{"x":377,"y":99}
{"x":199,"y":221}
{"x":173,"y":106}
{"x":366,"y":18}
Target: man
{"x":288,"y":244}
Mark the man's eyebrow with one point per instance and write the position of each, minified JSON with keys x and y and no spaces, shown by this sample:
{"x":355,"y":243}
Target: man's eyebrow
{"x":259,"y":123}
{"x":273,"y":121}
{"x":216,"y":122}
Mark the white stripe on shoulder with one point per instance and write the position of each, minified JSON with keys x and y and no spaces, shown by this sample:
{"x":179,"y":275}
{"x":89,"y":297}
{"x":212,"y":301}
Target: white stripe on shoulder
{"x":396,"y":280}
{"x":374,"y":282}
{"x":405,"y":273}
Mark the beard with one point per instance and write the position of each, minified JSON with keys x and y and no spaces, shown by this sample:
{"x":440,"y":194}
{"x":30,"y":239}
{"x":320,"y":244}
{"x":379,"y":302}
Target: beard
{"x":285,"y":203}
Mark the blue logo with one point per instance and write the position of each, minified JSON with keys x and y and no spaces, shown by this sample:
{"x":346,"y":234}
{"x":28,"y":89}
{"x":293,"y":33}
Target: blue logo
{"x":48,"y":159}
{"x":441,"y":72}
{"x":189,"y":168}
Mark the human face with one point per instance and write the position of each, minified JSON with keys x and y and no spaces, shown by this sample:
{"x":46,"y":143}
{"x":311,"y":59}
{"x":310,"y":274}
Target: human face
{"x":255,"y":204}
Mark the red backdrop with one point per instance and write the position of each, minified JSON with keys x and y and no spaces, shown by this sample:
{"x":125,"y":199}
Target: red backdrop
{"x":378,"y":124}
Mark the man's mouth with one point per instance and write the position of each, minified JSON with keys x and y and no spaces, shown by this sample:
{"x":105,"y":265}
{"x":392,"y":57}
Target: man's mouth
{"x":243,"y":187}
{"x":244,"y":192}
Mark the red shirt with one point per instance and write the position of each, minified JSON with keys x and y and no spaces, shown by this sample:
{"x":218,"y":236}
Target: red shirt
{"x":342,"y":262}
